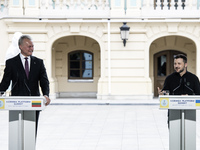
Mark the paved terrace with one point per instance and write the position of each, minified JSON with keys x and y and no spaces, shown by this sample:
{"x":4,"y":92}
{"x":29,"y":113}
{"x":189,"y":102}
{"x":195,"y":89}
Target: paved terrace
{"x":90,"y":124}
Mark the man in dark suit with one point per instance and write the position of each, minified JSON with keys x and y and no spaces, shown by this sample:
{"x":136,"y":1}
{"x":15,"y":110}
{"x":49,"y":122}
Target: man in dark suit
{"x":26,"y":76}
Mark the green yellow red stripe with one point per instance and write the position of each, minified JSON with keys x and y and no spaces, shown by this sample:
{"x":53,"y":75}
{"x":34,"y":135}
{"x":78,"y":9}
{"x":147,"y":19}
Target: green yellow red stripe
{"x":36,"y":103}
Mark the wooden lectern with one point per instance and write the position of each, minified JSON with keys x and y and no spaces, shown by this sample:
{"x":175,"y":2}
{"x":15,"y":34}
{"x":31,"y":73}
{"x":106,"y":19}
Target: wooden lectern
{"x":182,"y":120}
{"x":22,"y":118}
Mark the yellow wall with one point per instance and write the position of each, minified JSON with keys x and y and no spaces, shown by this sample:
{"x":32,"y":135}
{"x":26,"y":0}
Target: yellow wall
{"x":131,"y":74}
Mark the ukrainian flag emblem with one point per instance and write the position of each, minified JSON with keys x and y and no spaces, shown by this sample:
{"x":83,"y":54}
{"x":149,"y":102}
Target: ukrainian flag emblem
{"x":36,"y":103}
{"x":2,"y":104}
{"x":197,"y":102}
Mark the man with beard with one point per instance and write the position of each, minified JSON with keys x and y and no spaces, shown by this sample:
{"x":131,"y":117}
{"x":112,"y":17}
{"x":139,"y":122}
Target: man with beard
{"x":181,"y":82}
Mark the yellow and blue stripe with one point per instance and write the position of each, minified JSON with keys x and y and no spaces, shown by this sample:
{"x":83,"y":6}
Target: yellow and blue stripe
{"x":197,"y":102}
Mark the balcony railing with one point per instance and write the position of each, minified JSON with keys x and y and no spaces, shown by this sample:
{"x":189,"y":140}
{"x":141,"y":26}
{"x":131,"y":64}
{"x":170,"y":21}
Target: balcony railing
{"x":170,"y":8}
{"x":99,"y":8}
{"x":75,"y":8}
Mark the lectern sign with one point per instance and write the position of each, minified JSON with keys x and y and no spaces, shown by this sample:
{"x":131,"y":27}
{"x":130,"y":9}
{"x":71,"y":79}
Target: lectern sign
{"x":179,"y":102}
{"x":21,"y":103}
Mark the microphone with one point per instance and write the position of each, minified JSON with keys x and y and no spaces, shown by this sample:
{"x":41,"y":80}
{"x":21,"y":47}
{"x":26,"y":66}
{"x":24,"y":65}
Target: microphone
{"x":188,"y":86}
{"x":27,"y":88}
{"x":13,"y":86}
{"x":177,"y":86}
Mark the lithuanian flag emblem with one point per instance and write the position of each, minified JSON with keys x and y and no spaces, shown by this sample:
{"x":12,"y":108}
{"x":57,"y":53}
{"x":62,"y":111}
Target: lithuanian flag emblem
{"x":36,"y":103}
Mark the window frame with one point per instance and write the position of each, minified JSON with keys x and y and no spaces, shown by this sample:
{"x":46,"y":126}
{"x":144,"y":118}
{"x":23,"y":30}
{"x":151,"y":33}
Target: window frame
{"x":80,"y":63}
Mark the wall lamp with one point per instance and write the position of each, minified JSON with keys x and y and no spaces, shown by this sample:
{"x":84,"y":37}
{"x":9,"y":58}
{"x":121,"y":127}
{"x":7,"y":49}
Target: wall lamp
{"x":124,"y":33}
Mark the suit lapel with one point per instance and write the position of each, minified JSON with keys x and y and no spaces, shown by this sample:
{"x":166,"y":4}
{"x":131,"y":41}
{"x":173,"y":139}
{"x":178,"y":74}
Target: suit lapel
{"x":33,"y":66}
{"x":20,"y":66}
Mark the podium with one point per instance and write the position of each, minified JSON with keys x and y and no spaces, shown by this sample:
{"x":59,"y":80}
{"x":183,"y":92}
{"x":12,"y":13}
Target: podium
{"x":22,"y":120}
{"x":182,"y":120}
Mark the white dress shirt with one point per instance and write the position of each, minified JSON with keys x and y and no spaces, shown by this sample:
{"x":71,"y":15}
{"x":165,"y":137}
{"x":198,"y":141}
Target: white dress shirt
{"x":23,"y":60}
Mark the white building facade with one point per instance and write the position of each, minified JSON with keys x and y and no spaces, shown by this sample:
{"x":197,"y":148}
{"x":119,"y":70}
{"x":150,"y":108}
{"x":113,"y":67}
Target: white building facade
{"x":80,"y":43}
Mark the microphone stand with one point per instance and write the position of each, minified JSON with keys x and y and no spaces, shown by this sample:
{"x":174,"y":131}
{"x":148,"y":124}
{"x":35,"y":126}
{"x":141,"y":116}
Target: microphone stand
{"x":177,"y":86}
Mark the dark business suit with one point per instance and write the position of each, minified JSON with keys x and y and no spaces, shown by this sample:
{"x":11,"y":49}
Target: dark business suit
{"x":21,"y":85}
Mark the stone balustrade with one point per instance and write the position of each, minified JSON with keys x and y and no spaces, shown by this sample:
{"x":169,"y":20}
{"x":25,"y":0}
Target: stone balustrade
{"x":99,"y":8}
{"x":170,"y":9}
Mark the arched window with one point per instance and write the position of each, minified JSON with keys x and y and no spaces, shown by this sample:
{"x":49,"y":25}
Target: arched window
{"x":80,"y":65}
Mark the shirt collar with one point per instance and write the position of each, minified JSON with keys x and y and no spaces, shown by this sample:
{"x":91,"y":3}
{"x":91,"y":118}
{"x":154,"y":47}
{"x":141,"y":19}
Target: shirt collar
{"x":22,"y":56}
{"x":178,"y":74}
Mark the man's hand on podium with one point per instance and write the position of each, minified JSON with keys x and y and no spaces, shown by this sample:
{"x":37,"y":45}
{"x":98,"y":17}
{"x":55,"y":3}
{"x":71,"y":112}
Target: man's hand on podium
{"x":47,"y":100}
{"x":160,"y":92}
{"x":163,"y":92}
{"x":2,"y":93}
